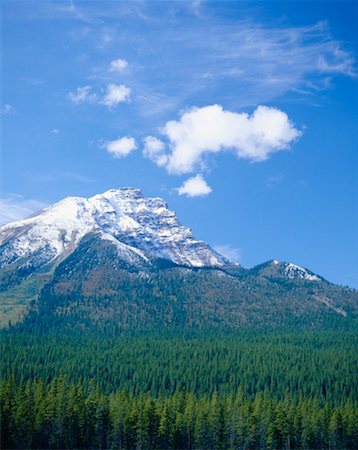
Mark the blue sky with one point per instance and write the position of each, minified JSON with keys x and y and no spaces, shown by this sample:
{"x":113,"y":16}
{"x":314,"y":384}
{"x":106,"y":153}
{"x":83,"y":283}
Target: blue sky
{"x":242,"y":115}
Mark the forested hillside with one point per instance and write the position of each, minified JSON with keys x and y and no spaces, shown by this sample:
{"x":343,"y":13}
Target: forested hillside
{"x":309,"y":363}
{"x":104,"y":296}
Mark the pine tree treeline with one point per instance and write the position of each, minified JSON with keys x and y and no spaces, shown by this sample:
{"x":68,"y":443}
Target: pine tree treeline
{"x":60,"y":415}
{"x":250,"y":389}
{"x":306,"y":364}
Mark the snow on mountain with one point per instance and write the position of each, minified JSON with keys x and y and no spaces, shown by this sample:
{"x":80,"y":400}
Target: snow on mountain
{"x":136,"y":225}
{"x":293,"y":271}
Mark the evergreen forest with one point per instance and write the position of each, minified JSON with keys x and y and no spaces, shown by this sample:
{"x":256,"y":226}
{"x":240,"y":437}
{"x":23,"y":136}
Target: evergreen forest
{"x":249,"y":389}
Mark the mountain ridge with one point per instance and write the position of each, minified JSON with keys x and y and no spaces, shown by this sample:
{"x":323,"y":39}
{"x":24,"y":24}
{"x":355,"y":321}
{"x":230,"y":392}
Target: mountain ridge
{"x":133,"y":250}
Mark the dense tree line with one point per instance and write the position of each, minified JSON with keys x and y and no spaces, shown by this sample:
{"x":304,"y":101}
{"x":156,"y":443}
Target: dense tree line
{"x":268,"y":389}
{"x":60,"y":415}
{"x":306,"y":364}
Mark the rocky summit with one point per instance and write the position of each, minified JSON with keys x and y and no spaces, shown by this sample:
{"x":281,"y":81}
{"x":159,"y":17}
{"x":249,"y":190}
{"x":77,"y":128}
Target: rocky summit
{"x":141,"y":228}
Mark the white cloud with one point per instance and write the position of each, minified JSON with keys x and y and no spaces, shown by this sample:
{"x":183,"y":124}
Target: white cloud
{"x":116,"y":94}
{"x":154,"y":149}
{"x":231,"y":253}
{"x":211,"y":129}
{"x":194,"y":187}
{"x":83,"y":94}
{"x":118,"y":65}
{"x":122,"y":147}
{"x":55,"y":131}
{"x":16,"y":207}
{"x":7,"y":109}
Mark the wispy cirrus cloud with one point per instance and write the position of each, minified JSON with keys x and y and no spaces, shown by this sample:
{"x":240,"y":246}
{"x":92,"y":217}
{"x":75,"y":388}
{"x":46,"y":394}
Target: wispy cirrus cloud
{"x":230,"y":252}
{"x":63,"y":176}
{"x":274,"y":181}
{"x":16,"y":207}
{"x":264,"y":62}
{"x":83,"y":94}
{"x":238,"y":63}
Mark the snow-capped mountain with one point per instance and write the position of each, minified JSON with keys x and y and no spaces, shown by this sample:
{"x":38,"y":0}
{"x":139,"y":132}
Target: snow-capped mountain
{"x":141,"y":228}
{"x":282,"y":269}
{"x":293,"y":271}
{"x":122,"y":258}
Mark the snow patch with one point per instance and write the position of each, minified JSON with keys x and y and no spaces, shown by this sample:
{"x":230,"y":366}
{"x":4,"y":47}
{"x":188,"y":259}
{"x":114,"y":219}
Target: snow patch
{"x":293,"y":271}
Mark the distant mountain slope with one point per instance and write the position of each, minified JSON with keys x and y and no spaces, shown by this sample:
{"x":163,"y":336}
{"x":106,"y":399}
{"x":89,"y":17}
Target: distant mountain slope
{"x":122,"y":260}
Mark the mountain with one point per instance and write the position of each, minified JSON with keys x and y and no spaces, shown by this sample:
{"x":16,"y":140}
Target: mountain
{"x":277,"y":269}
{"x":141,"y":229}
{"x":123,"y":259}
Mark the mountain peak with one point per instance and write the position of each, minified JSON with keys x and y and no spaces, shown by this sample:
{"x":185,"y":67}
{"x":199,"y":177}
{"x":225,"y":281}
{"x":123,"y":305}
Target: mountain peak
{"x":122,"y":216}
{"x":125,"y":192}
{"x":274,"y":268}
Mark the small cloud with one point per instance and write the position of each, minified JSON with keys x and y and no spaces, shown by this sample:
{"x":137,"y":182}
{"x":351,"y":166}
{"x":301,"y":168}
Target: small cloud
{"x":274,"y":181}
{"x":231,"y":253}
{"x":82,"y":95}
{"x":116,"y":94}
{"x":7,"y":109}
{"x":211,"y":129}
{"x":55,"y":131}
{"x":16,"y":207}
{"x":196,"y":6}
{"x":118,"y":65}
{"x":194,"y":187}
{"x":154,"y":149}
{"x":120,"y":148}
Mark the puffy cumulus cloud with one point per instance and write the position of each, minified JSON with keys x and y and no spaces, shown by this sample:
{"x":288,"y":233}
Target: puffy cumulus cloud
{"x":118,"y":65}
{"x":116,"y":93}
{"x":121,"y":147}
{"x":231,"y":253}
{"x":82,"y":94}
{"x":211,"y":129}
{"x":194,"y":187}
{"x":154,"y":149}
